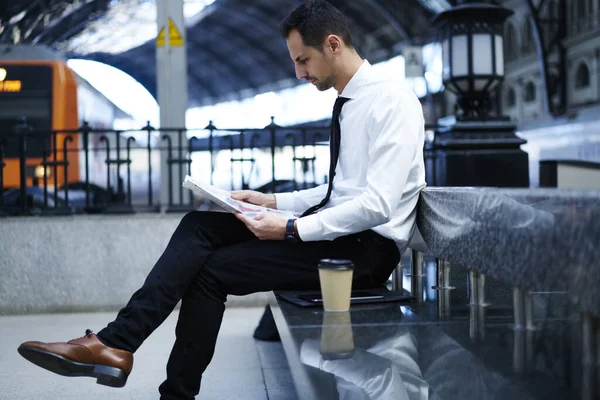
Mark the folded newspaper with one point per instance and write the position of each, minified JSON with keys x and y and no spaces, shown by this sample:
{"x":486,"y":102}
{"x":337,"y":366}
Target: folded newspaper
{"x":223,"y":198}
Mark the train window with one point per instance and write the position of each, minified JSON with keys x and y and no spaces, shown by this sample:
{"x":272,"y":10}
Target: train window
{"x":582,"y":77}
{"x":37,"y":110}
{"x":29,"y":107}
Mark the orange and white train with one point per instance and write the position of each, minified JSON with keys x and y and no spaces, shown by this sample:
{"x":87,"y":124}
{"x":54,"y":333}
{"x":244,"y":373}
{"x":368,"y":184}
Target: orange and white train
{"x":37,"y":84}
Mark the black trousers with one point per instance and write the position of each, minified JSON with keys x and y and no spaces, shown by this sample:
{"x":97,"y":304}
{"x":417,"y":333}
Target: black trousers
{"x":211,"y":255}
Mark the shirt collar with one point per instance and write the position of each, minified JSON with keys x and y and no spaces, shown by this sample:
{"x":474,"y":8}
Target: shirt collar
{"x":358,"y":81}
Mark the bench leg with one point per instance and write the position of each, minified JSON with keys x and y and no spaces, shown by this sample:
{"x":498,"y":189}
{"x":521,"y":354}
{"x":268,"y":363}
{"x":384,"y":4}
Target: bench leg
{"x":590,"y":341}
{"x":477,"y":289}
{"x":590,"y":338}
{"x":523,"y":350}
{"x":443,"y":287}
{"x":522,"y":310}
{"x":477,"y":323}
{"x":416,"y":275}
{"x":397,"y":278}
{"x":524,"y":330}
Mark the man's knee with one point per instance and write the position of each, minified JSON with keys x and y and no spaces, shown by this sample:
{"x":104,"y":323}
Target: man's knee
{"x":194,"y":220}
{"x":209,"y":282}
{"x":206,"y":219}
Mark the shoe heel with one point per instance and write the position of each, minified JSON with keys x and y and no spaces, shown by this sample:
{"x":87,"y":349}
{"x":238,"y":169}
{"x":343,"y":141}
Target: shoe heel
{"x":109,"y":376}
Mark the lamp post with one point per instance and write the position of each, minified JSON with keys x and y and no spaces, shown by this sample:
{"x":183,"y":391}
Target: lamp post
{"x":475,"y":147}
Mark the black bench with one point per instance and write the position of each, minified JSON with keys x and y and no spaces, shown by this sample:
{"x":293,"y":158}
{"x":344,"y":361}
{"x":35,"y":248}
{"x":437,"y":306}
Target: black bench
{"x":532,"y":242}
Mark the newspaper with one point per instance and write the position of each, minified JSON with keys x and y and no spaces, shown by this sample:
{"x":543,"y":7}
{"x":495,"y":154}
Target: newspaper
{"x":223,"y":199}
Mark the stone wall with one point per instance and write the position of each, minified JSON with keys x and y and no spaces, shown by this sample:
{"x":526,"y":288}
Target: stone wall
{"x":82,"y":263}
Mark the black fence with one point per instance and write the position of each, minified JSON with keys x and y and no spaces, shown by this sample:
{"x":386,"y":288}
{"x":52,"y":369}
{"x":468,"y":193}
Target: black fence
{"x":118,"y":171}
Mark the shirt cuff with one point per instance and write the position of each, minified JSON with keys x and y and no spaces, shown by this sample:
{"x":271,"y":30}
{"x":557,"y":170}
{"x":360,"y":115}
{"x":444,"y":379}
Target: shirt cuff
{"x":309,"y":228}
{"x":285,"y":201}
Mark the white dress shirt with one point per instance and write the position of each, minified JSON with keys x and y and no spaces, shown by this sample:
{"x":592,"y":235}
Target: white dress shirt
{"x":380,"y":170}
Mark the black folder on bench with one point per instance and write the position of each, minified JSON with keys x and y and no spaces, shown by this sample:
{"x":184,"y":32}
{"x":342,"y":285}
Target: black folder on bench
{"x":306,"y":298}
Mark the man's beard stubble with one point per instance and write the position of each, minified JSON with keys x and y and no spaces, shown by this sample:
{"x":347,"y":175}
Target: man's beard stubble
{"x":326,"y":84}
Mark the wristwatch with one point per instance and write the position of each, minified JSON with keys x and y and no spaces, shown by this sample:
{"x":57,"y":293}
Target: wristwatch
{"x":290,"y":232}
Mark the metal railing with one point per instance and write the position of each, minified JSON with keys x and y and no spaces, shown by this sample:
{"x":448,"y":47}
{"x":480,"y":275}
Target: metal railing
{"x":118,"y":171}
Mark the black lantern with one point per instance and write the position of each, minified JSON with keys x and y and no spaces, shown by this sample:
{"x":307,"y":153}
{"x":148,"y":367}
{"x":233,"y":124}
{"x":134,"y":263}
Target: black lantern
{"x":472,"y":55}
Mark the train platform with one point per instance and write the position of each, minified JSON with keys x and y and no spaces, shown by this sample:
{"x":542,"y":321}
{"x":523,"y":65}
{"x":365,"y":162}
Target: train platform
{"x":242,"y":368}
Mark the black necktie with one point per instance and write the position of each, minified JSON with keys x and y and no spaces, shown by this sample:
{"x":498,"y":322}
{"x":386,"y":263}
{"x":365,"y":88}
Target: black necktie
{"x":334,"y":152}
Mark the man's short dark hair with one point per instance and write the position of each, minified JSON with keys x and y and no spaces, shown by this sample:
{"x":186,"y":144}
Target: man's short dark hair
{"x":315,"y":20}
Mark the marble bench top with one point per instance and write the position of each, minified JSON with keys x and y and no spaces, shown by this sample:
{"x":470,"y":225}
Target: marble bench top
{"x":538,"y":239}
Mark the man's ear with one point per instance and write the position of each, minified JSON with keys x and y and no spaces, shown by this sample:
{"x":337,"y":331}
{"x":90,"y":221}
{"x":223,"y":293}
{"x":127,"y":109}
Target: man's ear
{"x":333,"y":43}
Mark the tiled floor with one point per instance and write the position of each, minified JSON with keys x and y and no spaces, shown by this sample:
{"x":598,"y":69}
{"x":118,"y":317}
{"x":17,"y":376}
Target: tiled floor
{"x":242,"y":368}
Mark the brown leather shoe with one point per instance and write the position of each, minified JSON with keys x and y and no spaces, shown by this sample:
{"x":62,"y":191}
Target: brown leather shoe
{"x":86,"y":356}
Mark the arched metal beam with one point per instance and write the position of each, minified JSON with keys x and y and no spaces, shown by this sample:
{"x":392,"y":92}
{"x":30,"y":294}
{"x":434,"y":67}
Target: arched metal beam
{"x":223,"y":60}
{"x":436,"y":6}
{"x":134,"y":68}
{"x":244,"y":43}
{"x":204,"y":83}
{"x":203,"y":68}
{"x":141,"y":67}
{"x":274,"y":58}
{"x":67,"y":34}
{"x":394,"y":23}
{"x":259,"y":58}
{"x":28,"y":9}
{"x":365,"y":36}
{"x":75,"y":17}
{"x":266,"y":16}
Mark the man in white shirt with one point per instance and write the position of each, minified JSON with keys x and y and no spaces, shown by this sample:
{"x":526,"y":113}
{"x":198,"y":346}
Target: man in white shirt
{"x":366,"y":214}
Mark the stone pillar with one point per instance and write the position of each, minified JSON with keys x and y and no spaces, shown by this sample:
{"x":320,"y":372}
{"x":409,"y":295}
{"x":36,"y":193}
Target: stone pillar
{"x":171,"y":76}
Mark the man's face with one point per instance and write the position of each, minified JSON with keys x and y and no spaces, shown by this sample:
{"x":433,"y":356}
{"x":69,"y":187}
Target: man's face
{"x":311,"y":64}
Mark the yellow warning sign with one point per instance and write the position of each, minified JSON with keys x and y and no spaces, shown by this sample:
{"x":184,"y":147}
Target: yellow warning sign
{"x":175,"y":37}
{"x":160,"y":39}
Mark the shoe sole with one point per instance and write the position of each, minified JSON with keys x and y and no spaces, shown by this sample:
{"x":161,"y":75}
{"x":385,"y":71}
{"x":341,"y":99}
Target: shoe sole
{"x":107,"y":376}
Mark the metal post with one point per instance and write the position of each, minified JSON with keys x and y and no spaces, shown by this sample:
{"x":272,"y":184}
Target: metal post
{"x":273,"y":128}
{"x":149,"y":130}
{"x":416,"y":275}
{"x":171,"y":67}
{"x":589,"y":356}
{"x":519,"y":351}
{"x":2,"y":165}
{"x":397,"y":278}
{"x":477,"y":323}
{"x":524,"y":330}
{"x":518,"y":309}
{"x":587,"y":338}
{"x":476,"y":288}
{"x":528,"y":305}
{"x":85,"y":133}
{"x":597,"y":340}
{"x":22,"y":130}
{"x":211,"y":150}
{"x":443,"y":287}
{"x":523,"y":309}
{"x":473,"y":323}
{"x":473,"y":287}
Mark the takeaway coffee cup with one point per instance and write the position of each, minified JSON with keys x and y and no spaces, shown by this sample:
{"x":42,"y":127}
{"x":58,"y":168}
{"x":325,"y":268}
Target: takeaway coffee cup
{"x":336,"y":283}
{"x":337,"y":341}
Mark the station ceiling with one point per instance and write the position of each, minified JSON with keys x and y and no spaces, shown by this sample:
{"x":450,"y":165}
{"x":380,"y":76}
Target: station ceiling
{"x":233,"y":46}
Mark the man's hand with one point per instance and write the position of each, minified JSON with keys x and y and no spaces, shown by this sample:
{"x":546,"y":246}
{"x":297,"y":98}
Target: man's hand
{"x":267,"y":226}
{"x":253,"y":197}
